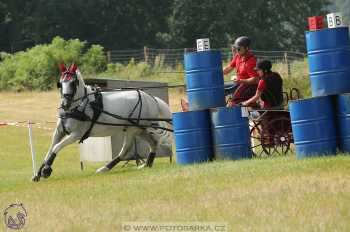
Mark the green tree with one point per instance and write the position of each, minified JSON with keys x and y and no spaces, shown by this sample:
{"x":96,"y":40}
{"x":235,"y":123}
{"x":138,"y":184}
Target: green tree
{"x":3,"y":24}
{"x":344,"y":7}
{"x":272,"y":24}
{"x":37,"y":67}
{"x":125,"y":24}
{"x":191,"y":20}
{"x":13,"y":29}
{"x":116,"y":24}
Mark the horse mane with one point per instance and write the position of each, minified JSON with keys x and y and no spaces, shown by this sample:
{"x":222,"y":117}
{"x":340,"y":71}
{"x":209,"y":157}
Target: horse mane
{"x":82,"y":82}
{"x":80,"y":77}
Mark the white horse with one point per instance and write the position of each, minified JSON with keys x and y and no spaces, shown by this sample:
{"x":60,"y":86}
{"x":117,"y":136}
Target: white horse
{"x":134,"y":112}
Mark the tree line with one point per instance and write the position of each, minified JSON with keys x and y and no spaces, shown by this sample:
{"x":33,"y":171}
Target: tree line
{"x":132,"y":24}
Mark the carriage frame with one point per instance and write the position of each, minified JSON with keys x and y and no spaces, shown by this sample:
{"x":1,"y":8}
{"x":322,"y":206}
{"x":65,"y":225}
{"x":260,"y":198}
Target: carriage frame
{"x":271,"y":129}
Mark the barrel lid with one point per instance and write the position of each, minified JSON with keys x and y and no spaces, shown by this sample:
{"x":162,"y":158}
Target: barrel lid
{"x":202,"y":52}
{"x":314,"y":98}
{"x":189,"y":112}
{"x":327,"y":29}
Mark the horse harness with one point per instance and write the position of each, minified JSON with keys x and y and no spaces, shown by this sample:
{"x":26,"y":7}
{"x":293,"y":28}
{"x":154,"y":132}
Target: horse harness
{"x":96,"y":105}
{"x":78,"y":112}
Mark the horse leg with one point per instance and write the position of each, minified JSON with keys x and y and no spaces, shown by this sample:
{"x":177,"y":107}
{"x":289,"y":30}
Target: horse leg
{"x":127,"y":144}
{"x":153,"y":145}
{"x":56,"y":138}
{"x":45,"y":169}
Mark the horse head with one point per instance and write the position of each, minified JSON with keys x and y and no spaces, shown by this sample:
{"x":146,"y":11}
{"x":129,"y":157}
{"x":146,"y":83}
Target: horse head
{"x":68,"y":85}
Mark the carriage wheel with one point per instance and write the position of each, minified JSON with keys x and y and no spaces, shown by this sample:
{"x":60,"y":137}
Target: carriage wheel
{"x":271,"y":137}
{"x":256,"y":140}
{"x":279,"y":134}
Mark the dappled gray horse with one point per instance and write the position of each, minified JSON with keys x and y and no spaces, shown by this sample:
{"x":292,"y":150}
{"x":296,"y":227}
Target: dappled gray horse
{"x":85,"y":112}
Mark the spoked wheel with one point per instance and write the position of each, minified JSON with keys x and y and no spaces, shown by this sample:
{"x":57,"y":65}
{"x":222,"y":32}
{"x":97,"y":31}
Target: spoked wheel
{"x":256,"y":140}
{"x":271,"y":137}
{"x":279,"y":136}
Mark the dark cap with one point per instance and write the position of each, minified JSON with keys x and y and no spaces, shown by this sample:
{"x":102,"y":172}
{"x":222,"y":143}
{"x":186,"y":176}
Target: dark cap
{"x":243,"y":41}
{"x":264,"y":65}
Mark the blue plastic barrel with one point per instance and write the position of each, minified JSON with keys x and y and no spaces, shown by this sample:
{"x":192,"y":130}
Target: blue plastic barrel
{"x":343,"y":122}
{"x":231,"y":135}
{"x":204,"y":80}
{"x":192,"y":137}
{"x":329,"y":61}
{"x":313,"y":126}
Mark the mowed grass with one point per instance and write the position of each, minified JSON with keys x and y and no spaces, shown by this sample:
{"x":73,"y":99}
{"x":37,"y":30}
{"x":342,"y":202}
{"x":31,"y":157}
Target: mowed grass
{"x":272,"y":194}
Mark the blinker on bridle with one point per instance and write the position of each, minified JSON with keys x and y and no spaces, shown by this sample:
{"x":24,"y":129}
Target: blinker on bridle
{"x":70,"y":76}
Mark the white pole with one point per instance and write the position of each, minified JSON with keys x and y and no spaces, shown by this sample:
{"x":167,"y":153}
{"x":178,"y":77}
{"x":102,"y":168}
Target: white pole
{"x":32,"y":146}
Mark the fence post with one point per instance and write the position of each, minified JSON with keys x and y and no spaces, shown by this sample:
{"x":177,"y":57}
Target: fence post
{"x":145,"y":53}
{"x":286,"y":60}
{"x":109,"y":60}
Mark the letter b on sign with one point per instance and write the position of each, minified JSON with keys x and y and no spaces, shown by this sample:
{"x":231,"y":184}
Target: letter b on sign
{"x":335,"y":20}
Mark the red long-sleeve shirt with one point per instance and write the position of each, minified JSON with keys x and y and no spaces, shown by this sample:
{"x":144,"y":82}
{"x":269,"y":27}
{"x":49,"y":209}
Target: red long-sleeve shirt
{"x":244,"y":65}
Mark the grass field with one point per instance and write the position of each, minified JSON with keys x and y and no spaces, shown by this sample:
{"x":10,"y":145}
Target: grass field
{"x":272,"y":194}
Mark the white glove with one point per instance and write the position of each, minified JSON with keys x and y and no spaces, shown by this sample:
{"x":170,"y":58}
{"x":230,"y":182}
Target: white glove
{"x":233,"y":78}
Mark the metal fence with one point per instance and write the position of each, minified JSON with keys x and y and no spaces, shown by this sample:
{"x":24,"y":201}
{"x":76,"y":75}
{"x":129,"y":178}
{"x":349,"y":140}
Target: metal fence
{"x":174,"y":57}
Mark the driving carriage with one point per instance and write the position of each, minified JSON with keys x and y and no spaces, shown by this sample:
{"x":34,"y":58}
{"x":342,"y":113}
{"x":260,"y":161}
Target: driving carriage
{"x":270,"y":129}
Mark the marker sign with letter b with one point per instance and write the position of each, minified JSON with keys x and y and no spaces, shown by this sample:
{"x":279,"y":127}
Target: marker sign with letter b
{"x":335,"y":20}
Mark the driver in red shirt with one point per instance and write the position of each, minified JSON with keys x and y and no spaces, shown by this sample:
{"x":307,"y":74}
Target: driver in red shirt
{"x":244,"y":62}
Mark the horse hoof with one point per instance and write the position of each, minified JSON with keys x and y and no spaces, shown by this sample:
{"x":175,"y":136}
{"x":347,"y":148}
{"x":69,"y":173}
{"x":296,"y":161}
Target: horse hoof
{"x":46,"y":171}
{"x":149,"y":165}
{"x":142,"y":166}
{"x":145,"y":165}
{"x":102,"y":169}
{"x":35,"y":178}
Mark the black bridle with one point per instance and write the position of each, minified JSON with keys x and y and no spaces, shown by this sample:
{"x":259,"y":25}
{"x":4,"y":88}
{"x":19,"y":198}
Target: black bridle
{"x":75,"y":83}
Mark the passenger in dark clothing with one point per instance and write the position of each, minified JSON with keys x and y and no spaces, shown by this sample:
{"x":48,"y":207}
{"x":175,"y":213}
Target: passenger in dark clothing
{"x":269,"y":93}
